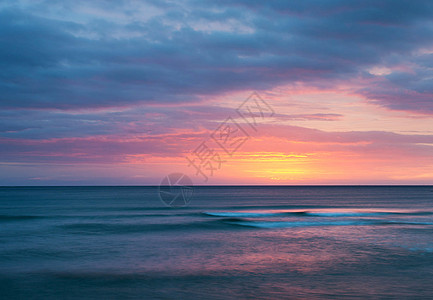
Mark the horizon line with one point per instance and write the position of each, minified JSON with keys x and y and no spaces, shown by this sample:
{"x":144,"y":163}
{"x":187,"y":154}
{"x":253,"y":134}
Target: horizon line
{"x":234,"y":185}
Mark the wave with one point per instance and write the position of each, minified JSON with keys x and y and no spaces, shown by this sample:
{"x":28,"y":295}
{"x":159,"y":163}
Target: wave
{"x":115,"y":228}
{"x":241,"y":214}
{"x":255,"y":214}
{"x":293,"y":224}
{"x":305,"y":218}
{"x":18,"y":217}
{"x":312,"y":214}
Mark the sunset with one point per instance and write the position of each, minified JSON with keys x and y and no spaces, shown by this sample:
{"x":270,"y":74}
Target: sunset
{"x":216,"y":149}
{"x":102,"y":93}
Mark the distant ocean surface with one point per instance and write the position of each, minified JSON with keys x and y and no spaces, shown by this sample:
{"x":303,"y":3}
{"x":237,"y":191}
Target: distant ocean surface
{"x":234,"y":242}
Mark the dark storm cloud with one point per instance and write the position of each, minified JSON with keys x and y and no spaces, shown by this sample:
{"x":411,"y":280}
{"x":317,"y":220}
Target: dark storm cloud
{"x":68,"y":58}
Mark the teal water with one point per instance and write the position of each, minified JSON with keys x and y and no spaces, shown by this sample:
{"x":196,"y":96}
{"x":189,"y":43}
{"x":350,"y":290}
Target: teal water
{"x":230,"y":243}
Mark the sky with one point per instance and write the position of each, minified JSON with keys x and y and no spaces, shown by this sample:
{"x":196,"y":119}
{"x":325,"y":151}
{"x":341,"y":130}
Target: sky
{"x":304,"y":92}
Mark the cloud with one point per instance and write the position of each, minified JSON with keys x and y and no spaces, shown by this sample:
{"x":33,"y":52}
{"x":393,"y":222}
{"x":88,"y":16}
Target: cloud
{"x":178,"y":143}
{"x":315,"y":117}
{"x":98,"y":55}
{"x":406,"y":90}
{"x":101,"y":82}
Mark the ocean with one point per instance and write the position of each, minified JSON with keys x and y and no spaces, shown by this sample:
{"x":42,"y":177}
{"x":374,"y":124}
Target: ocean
{"x":231,"y":242}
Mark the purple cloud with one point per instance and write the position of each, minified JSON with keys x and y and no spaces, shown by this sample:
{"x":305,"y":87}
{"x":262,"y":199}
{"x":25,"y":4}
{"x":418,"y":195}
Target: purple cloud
{"x":194,"y":49}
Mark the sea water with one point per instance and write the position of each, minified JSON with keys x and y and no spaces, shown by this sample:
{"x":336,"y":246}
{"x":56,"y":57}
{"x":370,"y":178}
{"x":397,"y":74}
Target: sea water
{"x":231,"y":242}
